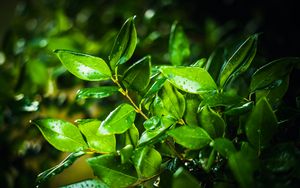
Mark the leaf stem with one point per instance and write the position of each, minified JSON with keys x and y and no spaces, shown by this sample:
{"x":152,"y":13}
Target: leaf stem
{"x":125,"y":93}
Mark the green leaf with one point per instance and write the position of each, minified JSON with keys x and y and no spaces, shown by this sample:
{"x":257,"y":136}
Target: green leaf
{"x":157,"y":107}
{"x":87,"y":183}
{"x":190,"y":137}
{"x":212,"y":122}
{"x":239,"y":109}
{"x":63,"y":135}
{"x":189,"y":79}
{"x":126,"y":153}
{"x":173,"y":101}
{"x":239,"y":61}
{"x":68,"y":161}
{"x":83,"y":66}
{"x":213,"y":99}
{"x":242,"y":169}
{"x":147,"y":161}
{"x":154,"y":135}
{"x":100,"y":143}
{"x":110,"y":170}
{"x":151,"y":123}
{"x":137,"y":76}
{"x":118,"y":121}
{"x":179,"y":47}
{"x":192,"y":103}
{"x":224,"y":146}
{"x":124,"y":44}
{"x":261,"y":124}
{"x":158,"y":84}
{"x":96,"y":92}
{"x":269,"y":75}
{"x":182,"y":178}
{"x":132,"y":136}
{"x":215,"y":62}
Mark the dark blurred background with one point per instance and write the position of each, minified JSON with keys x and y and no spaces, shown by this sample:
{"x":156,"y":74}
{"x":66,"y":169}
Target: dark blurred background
{"x":33,"y":84}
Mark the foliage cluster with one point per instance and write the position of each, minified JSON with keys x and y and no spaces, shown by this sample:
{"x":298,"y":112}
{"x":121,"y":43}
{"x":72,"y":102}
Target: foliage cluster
{"x":215,"y":122}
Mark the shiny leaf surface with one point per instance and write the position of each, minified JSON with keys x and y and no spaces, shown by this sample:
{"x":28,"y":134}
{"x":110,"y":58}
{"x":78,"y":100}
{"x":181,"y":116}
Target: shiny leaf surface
{"x":96,"y":92}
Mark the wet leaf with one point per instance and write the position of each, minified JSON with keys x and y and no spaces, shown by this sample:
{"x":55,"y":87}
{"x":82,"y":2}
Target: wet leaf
{"x":118,"y":121}
{"x":96,"y":92}
{"x":63,"y":135}
{"x":224,"y":146}
{"x":83,"y":66}
{"x":87,"y":183}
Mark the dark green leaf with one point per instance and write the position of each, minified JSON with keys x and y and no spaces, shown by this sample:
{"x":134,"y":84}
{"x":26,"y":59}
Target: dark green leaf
{"x":173,"y":101}
{"x":85,"y":67}
{"x":42,"y":177}
{"x":87,"y":184}
{"x":261,"y":125}
{"x":200,"y":63}
{"x":182,"y":178}
{"x":63,"y":135}
{"x":137,"y":76}
{"x":118,"y":121}
{"x":190,"y":137}
{"x":192,"y":103}
{"x":239,"y":109}
{"x":214,"y":99}
{"x":124,"y":45}
{"x":215,"y":62}
{"x":269,"y":75}
{"x":224,"y":146}
{"x":158,"y":84}
{"x":242,"y":169}
{"x":178,"y":45}
{"x":212,"y":122}
{"x":190,"y":79}
{"x":153,"y":136}
{"x":147,"y":161}
{"x":239,"y":61}
{"x":110,"y":170}
{"x":96,"y":92}
{"x":100,"y":143}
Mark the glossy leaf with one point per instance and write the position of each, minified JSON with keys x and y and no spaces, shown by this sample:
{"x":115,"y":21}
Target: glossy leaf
{"x":261,"y":124}
{"x":147,"y":161}
{"x":157,"y":85}
{"x":153,"y":135}
{"x":83,"y":66}
{"x":67,"y":162}
{"x":239,"y":109}
{"x":192,"y":103}
{"x":126,"y":153}
{"x":152,"y":123}
{"x":96,"y":92}
{"x":124,"y":44}
{"x":110,"y":170}
{"x":179,"y":49}
{"x":87,"y":184}
{"x":215,"y":62}
{"x":212,"y":122}
{"x":189,"y":79}
{"x":173,"y":101}
{"x":224,"y":146}
{"x":190,"y":137}
{"x":118,"y":121}
{"x":213,"y":99}
{"x":239,"y":61}
{"x":242,"y":169}
{"x":100,"y":143}
{"x":137,"y":76}
{"x":182,"y":178}
{"x":271,"y":74}
{"x":132,"y":136}
{"x":63,"y":135}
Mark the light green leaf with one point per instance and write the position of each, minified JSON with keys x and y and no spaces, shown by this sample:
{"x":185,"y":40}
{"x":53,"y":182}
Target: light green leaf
{"x":118,"y":121}
{"x":261,"y":124}
{"x":147,"y":161}
{"x":63,"y":135}
{"x":213,"y":99}
{"x":239,"y":61}
{"x":137,"y":76}
{"x":269,"y":75}
{"x":83,"y":66}
{"x":96,"y":92}
{"x":132,"y":136}
{"x":173,"y":101}
{"x":67,"y":162}
{"x":87,"y":184}
{"x":189,"y":79}
{"x":154,"y":135}
{"x":110,"y":170}
{"x":224,"y":146}
{"x":212,"y":122}
{"x":158,"y":84}
{"x":126,"y":153}
{"x":182,"y":178}
{"x":100,"y":143}
{"x":190,"y":137}
{"x":190,"y":115}
{"x":179,"y":47}
{"x":124,"y":44}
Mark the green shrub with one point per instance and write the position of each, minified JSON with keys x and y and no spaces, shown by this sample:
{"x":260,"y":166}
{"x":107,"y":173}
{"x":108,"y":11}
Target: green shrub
{"x":213,"y":123}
